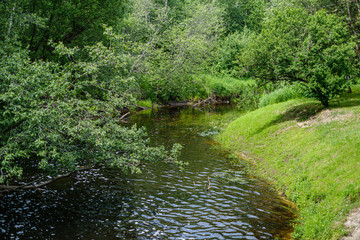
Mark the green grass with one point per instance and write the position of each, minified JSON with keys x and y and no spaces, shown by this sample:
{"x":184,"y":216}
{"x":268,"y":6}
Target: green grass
{"x":310,"y":153}
{"x":145,"y":103}
{"x":280,"y":95}
{"x":225,"y":86}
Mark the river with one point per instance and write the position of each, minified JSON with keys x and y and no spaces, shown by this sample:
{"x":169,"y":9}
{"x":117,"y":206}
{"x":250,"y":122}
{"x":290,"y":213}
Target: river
{"x":211,"y":198}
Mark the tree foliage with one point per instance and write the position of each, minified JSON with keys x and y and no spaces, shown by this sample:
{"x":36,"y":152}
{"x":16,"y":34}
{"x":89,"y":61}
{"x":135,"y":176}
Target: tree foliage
{"x":64,"y":117}
{"x":349,"y":10}
{"x":230,"y":49}
{"x":297,"y":46}
{"x":70,"y":70}
{"x":243,"y":13}
{"x":166,"y":52}
{"x":75,"y":23}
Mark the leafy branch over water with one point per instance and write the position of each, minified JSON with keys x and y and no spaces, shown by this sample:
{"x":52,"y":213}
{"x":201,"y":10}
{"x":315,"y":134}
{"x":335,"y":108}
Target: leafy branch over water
{"x":61,"y":117}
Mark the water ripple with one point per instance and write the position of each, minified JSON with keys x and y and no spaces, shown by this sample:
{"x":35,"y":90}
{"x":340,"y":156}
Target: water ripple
{"x":210,"y":199}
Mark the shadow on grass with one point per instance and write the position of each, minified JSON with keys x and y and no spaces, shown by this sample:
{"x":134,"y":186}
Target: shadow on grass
{"x":346,"y":100}
{"x":300,"y":113}
{"x":305,"y":111}
{"x":297,"y":113}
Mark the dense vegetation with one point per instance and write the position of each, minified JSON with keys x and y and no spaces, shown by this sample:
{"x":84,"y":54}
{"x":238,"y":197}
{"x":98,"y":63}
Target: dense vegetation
{"x":70,"y":71}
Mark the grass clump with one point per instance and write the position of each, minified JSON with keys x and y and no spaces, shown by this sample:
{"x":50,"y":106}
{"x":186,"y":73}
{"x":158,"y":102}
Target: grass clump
{"x":225,"y":86}
{"x":280,"y":95}
{"x":147,"y":103}
{"x":310,"y":153}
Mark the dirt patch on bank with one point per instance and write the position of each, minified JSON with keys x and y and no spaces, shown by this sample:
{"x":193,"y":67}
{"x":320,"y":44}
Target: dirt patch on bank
{"x":352,"y":223}
{"x":326,"y":116}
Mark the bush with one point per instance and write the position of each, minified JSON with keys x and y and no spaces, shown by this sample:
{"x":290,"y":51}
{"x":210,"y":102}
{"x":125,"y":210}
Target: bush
{"x":313,"y":49}
{"x":251,"y":95}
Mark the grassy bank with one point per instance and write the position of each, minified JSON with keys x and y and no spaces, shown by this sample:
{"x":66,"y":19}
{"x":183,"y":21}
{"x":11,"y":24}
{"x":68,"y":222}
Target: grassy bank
{"x":310,"y":153}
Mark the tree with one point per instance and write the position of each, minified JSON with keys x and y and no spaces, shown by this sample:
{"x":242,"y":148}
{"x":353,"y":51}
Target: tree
{"x":297,"y":46}
{"x":230,"y":48}
{"x":350,"y":9}
{"x":73,"y":22}
{"x":243,"y":13}
{"x":66,"y":118}
{"x":165,"y":53}
{"x":242,"y":20}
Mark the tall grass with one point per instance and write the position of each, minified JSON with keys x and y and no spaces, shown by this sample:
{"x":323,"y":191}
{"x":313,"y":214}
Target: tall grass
{"x":280,"y":95}
{"x":224,"y":86}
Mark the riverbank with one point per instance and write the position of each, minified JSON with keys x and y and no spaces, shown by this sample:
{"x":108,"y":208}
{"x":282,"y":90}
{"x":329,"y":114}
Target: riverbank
{"x":311,"y":154}
{"x":210,"y":89}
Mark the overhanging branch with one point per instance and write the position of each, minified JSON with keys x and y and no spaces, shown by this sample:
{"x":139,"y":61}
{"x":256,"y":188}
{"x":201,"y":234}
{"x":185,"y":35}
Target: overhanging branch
{"x":32,"y":185}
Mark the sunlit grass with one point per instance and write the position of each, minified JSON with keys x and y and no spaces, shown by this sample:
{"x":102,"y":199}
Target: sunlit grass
{"x":224,"y":86}
{"x":280,"y":95}
{"x":310,"y":153}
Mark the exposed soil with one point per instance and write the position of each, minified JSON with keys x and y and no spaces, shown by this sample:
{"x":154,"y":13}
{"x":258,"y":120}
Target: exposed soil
{"x":352,"y":223}
{"x":326,"y":116}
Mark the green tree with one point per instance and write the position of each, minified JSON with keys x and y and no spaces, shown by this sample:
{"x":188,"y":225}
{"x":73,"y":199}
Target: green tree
{"x":230,"y":49}
{"x":165,"y":53}
{"x":349,"y":10}
{"x":64,"y":118}
{"x":243,"y":13}
{"x":75,"y":23}
{"x":242,"y":19}
{"x":297,"y":46}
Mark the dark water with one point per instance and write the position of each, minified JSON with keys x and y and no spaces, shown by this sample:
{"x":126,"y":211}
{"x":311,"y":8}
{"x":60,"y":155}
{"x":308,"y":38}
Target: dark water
{"x":162,"y":203}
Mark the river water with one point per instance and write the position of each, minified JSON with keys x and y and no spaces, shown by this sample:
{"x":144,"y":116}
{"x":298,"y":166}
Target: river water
{"x":211,"y":198}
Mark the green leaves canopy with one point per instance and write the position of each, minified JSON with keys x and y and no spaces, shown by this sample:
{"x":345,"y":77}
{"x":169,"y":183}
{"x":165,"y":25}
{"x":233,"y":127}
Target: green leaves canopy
{"x":297,"y":46}
{"x":75,"y":23}
{"x":63,"y":117}
{"x":165,"y":53}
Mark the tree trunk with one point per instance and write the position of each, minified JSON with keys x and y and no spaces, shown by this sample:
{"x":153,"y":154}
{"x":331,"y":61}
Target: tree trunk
{"x":352,"y":26}
{"x":11,"y":20}
{"x":33,"y":27}
{"x":349,"y":90}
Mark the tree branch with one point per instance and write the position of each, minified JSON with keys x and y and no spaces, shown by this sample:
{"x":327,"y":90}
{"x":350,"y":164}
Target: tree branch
{"x":31,"y":185}
{"x":203,"y":101}
{"x":123,"y":116}
{"x":15,"y":125}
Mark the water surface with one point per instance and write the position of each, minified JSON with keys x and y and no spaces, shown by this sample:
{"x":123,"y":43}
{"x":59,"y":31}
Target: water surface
{"x":212,"y":198}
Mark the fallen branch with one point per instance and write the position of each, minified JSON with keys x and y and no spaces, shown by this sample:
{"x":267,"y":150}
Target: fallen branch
{"x":143,"y":108}
{"x":209,"y":184}
{"x":123,"y":116}
{"x":202,"y":102}
{"x":31,"y":185}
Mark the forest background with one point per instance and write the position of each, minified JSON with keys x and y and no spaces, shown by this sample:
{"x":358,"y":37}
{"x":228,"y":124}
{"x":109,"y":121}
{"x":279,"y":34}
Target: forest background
{"x":70,"y":71}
